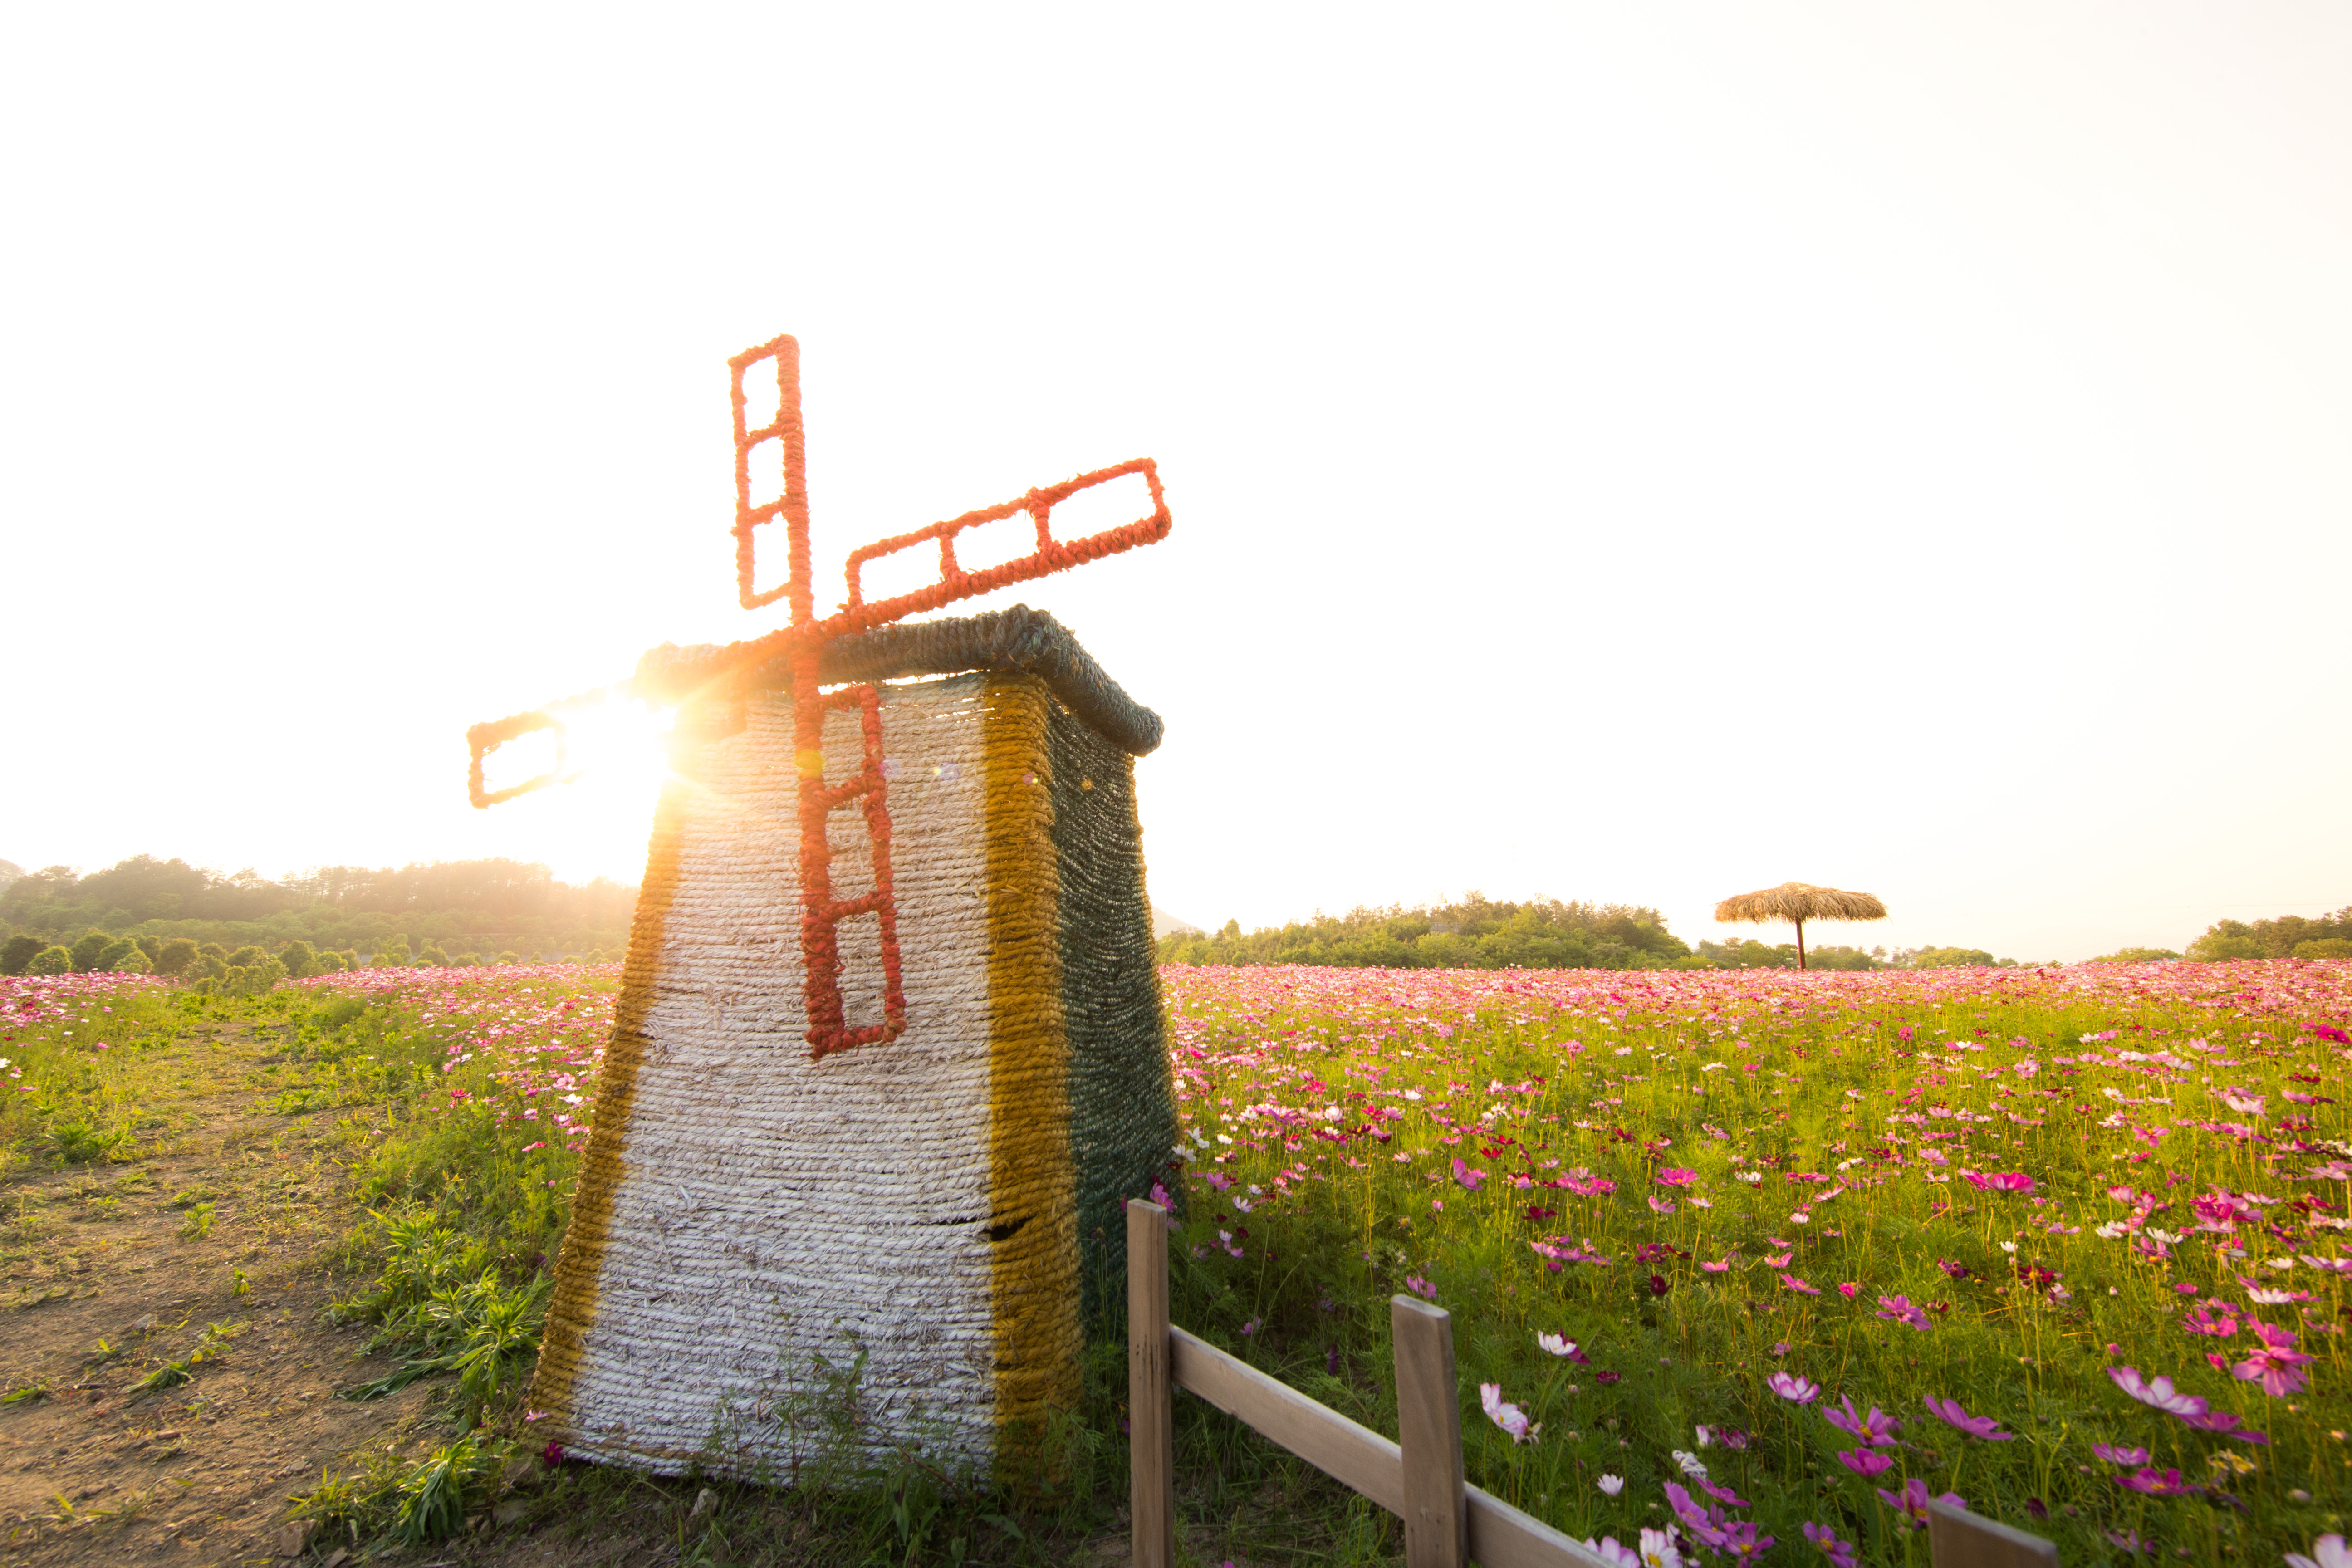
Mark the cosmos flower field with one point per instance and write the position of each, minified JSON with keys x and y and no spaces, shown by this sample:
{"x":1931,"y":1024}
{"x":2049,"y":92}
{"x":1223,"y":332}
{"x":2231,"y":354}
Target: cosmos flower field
{"x":1744,"y":1257}
{"x":1762,"y":1255}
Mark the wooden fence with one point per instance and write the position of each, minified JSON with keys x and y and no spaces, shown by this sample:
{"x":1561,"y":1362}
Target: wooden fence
{"x":1418,"y":1477}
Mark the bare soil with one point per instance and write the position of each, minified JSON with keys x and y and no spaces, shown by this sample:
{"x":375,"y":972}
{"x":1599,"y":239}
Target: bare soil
{"x":112,"y":1271}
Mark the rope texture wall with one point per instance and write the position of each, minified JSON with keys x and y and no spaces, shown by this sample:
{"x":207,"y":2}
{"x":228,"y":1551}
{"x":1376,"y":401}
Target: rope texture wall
{"x":772,"y":1259}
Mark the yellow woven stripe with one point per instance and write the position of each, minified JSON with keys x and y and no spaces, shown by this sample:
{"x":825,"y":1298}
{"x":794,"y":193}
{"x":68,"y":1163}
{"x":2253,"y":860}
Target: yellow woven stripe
{"x":571,"y":1312}
{"x":1031,"y":1186}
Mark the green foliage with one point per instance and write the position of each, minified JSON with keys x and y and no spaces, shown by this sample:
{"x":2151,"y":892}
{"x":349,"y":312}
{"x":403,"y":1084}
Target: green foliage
{"x":87,"y":953}
{"x":1474,"y":933}
{"x":298,"y":959}
{"x":433,"y":956}
{"x":18,"y":952}
{"x":2325,"y":947}
{"x":508,"y":957}
{"x":134,"y":962}
{"x":1952,"y":958}
{"x":50,"y":960}
{"x":394,"y":955}
{"x":2135,"y":955}
{"x":441,"y":1304}
{"x":116,"y":951}
{"x":328,"y":962}
{"x":2284,"y":937}
{"x":245,"y":957}
{"x":176,"y":957}
{"x":78,"y":1142}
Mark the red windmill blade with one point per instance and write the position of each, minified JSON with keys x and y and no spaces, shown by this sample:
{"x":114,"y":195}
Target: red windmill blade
{"x":800,"y":645}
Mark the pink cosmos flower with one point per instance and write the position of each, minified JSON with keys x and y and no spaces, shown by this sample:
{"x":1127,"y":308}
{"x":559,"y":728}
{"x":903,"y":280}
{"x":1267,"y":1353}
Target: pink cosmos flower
{"x":1865,"y":1462}
{"x":1677,"y":1176}
{"x":1779,"y":1260}
{"x":1560,"y":1345}
{"x":2157,"y":1393}
{"x":1509,"y":1417}
{"x":1790,"y":1282}
{"x":1899,"y":1309}
{"x":1661,"y":1205}
{"x":1794,"y":1389}
{"x":1841,"y":1553}
{"x":1878,"y":1428}
{"x":2124,"y":1457}
{"x":1999,"y":1182}
{"x":2329,"y":1551}
{"x":1615,"y":1555}
{"x":1420,"y":1287}
{"x":1914,"y":1500}
{"x":1471,"y":1180}
{"x":2155,"y":1483}
{"x":1848,"y":1289}
{"x":1722,"y":1494}
{"x":2277,"y":1366}
{"x":1981,"y":1426}
{"x":2202,"y":1321}
{"x":1723,"y":1266}
{"x":1707,"y":1525}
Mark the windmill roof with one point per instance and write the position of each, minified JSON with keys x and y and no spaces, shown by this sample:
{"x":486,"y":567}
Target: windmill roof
{"x":1018,"y":638}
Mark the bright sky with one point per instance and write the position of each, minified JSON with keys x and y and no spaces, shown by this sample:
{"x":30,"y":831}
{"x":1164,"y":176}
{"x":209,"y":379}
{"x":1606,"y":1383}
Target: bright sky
{"x":1631,"y":453}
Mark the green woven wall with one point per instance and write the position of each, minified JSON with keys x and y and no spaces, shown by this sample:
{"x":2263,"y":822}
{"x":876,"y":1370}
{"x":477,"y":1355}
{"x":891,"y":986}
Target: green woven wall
{"x":1122,"y":1094}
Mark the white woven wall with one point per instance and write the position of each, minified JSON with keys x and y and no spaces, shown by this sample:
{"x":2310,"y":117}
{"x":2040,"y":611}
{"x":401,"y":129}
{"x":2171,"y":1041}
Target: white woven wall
{"x":773,"y":1209}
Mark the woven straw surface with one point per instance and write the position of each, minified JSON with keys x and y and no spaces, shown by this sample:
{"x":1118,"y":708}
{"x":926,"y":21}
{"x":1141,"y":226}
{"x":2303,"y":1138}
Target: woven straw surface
{"x":1122,"y":1093}
{"x":750,"y":1222}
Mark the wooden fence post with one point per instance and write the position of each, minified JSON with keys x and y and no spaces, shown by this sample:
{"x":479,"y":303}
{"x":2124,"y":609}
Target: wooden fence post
{"x":1150,"y":1415}
{"x":1429,"y":1434}
{"x":1957,"y":1538}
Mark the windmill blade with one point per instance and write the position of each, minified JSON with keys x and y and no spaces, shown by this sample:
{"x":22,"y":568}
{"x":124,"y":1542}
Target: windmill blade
{"x":1051,"y":555}
{"x":792,"y":449}
{"x":485,"y":738}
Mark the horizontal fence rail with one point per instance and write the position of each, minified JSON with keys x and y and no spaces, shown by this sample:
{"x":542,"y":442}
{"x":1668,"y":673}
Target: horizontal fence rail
{"x":1447,"y":1521}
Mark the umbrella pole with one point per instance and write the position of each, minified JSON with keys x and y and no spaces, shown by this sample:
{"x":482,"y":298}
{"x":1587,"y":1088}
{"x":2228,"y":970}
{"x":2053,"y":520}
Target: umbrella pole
{"x":1801,"y":945}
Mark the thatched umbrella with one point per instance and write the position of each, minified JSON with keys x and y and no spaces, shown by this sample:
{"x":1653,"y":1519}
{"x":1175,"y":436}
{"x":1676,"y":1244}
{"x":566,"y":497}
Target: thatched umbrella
{"x":1800,"y":902}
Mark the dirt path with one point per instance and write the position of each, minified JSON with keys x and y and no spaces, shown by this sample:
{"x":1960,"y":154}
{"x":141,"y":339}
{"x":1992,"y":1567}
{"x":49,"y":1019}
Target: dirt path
{"x":109,"y":1272}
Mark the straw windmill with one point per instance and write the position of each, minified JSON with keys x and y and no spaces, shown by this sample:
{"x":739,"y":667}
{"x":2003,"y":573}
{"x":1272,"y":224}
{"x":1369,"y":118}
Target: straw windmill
{"x":887,"y":1057}
{"x":1799,"y":902}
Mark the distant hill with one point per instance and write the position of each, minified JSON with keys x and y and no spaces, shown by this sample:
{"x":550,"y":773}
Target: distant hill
{"x":1165,"y":925}
{"x":9,"y":873}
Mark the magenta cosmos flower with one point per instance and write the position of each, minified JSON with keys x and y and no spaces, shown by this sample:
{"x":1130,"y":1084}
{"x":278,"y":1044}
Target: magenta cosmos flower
{"x":1677,"y":1176}
{"x":1796,"y":1390}
{"x":1841,"y":1553}
{"x":1878,"y":1428}
{"x":1982,"y":1426}
{"x":2278,"y":1366}
{"x":1899,"y":1309}
{"x":1913,"y":1498}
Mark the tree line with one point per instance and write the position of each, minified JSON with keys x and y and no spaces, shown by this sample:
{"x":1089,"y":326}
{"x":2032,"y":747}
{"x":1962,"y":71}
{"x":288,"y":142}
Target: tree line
{"x":1479,"y":932}
{"x":453,"y":907}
